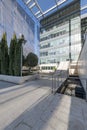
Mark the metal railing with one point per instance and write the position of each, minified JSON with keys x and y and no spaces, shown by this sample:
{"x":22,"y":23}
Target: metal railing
{"x":85,"y":79}
{"x":58,"y":78}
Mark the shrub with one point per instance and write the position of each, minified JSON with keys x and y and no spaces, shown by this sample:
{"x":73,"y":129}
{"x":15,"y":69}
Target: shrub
{"x":31,"y":60}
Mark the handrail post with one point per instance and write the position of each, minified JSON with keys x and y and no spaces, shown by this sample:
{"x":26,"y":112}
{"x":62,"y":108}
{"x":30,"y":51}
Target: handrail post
{"x":86,"y":90}
{"x":55,"y":82}
{"x":58,"y":81}
{"x":52,"y":83}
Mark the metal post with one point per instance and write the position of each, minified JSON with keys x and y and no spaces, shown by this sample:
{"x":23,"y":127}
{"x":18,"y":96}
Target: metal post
{"x":86,"y":90}
{"x":21,"y":59}
{"x":52,"y":83}
{"x":70,"y":40}
{"x":55,"y":84}
{"x":23,"y":41}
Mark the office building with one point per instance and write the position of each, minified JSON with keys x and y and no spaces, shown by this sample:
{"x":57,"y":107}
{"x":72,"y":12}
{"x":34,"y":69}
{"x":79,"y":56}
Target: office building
{"x":83,"y":19}
{"x":62,"y":33}
{"x":60,"y":37}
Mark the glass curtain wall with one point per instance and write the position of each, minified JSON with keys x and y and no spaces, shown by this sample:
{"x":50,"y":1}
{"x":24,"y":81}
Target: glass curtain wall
{"x":60,"y":37}
{"x":14,"y":19}
{"x":51,"y":50}
{"x":61,"y":43}
{"x":75,"y":38}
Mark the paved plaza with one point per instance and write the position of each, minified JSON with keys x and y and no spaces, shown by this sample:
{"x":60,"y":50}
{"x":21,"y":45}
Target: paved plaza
{"x":32,"y":106}
{"x":6,"y":84}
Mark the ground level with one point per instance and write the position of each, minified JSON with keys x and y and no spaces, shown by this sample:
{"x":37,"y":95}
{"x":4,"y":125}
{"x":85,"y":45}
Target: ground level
{"x":32,"y":106}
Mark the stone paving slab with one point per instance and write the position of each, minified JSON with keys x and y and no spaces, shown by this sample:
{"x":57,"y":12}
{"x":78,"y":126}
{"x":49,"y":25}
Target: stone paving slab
{"x":4,"y":84}
{"x":31,"y":106}
{"x":54,"y":112}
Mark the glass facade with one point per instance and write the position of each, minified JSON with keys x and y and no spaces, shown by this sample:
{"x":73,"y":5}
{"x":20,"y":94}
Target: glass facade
{"x":75,"y":38}
{"x":60,"y":39}
{"x":83,"y":19}
{"x":13,"y":18}
{"x":83,"y":8}
{"x":83,"y":29}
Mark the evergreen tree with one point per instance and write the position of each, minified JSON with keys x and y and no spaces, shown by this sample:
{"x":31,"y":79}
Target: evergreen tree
{"x":0,"y":57}
{"x":19,"y":54}
{"x":18,"y":59}
{"x":4,"y":55}
{"x":12,"y":55}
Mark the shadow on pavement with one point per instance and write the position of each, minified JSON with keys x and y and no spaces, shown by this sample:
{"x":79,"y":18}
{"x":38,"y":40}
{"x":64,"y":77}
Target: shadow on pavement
{"x":38,"y":115}
{"x":4,"y":84}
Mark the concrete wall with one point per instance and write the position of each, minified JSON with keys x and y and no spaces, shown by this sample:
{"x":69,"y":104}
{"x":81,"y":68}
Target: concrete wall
{"x":82,"y":64}
{"x":17,"y":79}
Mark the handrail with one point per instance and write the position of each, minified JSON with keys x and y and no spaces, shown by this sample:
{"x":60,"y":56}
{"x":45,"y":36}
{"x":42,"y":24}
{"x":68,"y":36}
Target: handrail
{"x":61,"y":75}
{"x":85,"y":82}
{"x":59,"y":78}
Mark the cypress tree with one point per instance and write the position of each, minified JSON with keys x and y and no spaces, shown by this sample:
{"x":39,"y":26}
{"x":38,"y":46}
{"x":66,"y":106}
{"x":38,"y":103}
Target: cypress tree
{"x":17,"y":70}
{"x":12,"y":55}
{"x":4,"y":55}
{"x":18,"y":54}
{"x":0,"y":57}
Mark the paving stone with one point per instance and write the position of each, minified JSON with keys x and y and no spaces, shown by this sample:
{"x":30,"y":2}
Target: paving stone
{"x":42,"y":126}
{"x":76,"y":124}
{"x":63,"y":117}
{"x":44,"y":111}
{"x":23,"y":126}
{"x":84,"y":111}
{"x":61,"y":126}
{"x":76,"y":112}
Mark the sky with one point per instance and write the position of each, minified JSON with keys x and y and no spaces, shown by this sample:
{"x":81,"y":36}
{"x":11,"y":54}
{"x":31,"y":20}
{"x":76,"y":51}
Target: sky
{"x":83,"y":2}
{"x":46,"y":4}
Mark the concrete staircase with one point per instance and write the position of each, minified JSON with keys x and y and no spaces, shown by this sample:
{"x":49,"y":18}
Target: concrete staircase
{"x":73,"y":69}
